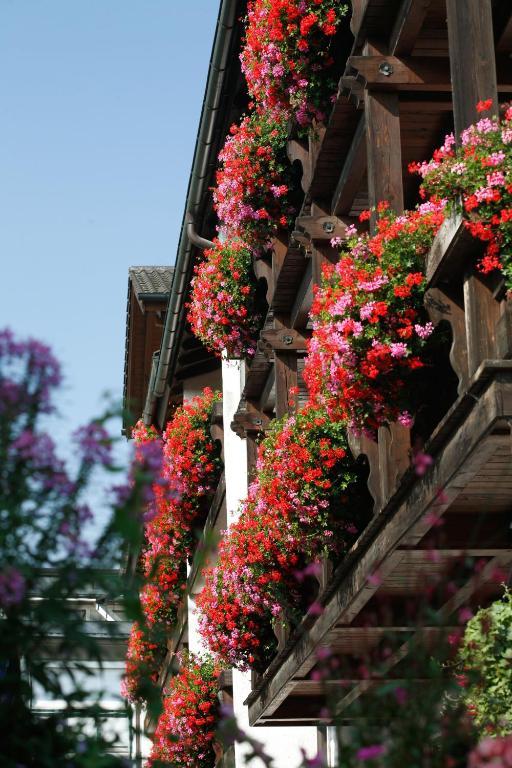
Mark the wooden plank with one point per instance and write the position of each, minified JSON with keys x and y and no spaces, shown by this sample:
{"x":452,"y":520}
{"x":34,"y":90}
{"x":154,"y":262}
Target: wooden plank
{"x":352,"y":174}
{"x":457,"y":601}
{"x":408,"y":25}
{"x":472,"y":58}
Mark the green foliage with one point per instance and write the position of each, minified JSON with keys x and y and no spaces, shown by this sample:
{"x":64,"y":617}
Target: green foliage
{"x":486,"y":658}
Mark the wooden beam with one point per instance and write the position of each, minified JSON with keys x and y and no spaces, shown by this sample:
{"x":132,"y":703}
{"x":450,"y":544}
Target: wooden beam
{"x":472,"y":58}
{"x":408,"y":25}
{"x":285,"y":339}
{"x":352,"y":174}
{"x":383,"y":147}
{"x":415,"y":73}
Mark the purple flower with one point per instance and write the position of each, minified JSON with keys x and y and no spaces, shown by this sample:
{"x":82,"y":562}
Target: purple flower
{"x":421,"y":462}
{"x":94,"y":443}
{"x":12,"y":587}
{"x":371,"y":752}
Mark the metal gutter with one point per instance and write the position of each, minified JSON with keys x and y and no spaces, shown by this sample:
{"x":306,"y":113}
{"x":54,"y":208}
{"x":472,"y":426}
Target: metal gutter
{"x":196,"y":189}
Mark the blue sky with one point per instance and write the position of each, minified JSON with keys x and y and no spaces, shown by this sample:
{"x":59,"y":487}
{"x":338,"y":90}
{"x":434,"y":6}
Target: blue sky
{"x":100,"y":103}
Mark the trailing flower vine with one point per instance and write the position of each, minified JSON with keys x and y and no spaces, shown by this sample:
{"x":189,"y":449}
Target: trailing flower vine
{"x":369,"y":323}
{"x":305,"y":502}
{"x":222,"y":309}
{"x":287,"y":56}
{"x":188,"y":475}
{"x":185,"y":732}
{"x":254,"y":180}
{"x":478,"y":173}
{"x":143,"y":658}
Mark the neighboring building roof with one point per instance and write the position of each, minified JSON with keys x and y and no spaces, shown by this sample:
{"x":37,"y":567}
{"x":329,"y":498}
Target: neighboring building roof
{"x":151,"y":282}
{"x":148,"y":292}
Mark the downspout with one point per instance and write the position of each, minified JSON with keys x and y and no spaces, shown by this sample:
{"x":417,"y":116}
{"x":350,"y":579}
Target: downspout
{"x":193,"y":237}
{"x":199,"y":175}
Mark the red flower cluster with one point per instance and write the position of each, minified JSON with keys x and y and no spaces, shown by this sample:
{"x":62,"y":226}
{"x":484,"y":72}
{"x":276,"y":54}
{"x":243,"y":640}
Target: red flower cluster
{"x":478,"y":172}
{"x":286,"y":56}
{"x":222,"y":306}
{"x":191,"y":471}
{"x":186,"y":729}
{"x":143,"y":657}
{"x":305,"y":502}
{"x":180,"y":498}
{"x":253,"y":181}
{"x":369,"y":323}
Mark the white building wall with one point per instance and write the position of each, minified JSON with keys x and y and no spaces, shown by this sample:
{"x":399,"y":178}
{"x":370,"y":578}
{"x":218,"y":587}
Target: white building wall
{"x":283,"y":744}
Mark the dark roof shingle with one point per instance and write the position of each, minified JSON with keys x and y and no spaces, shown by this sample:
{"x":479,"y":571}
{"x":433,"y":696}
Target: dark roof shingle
{"x":152,"y":281}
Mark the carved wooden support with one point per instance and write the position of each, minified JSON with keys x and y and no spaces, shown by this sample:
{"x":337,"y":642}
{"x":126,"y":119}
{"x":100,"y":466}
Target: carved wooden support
{"x":361,"y":445}
{"x":262,"y":269}
{"x":441,"y":307}
{"x":324,"y":573}
{"x":394,"y":443}
{"x":249,"y":419}
{"x":504,"y":330}
{"x":388,"y":459}
{"x":299,"y":151}
{"x":306,"y":153}
{"x":482,"y":313}
{"x":281,"y":629}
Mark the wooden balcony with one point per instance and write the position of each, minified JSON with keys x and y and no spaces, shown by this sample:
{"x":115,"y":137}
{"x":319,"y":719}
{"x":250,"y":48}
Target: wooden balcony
{"x":398,"y":84}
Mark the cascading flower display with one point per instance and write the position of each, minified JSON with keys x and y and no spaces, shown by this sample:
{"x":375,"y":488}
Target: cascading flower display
{"x":188,"y":477}
{"x":369,"y":323}
{"x":192,"y":462}
{"x":191,"y":470}
{"x":478,"y":173}
{"x":186,"y":729}
{"x":254,"y":180}
{"x":143,"y":658}
{"x":287,"y":56}
{"x":222,"y":309}
{"x":304,"y":502}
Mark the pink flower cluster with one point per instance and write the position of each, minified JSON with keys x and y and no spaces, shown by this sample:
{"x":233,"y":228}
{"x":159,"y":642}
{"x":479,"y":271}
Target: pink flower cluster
{"x":478,"y":173}
{"x":369,"y":323}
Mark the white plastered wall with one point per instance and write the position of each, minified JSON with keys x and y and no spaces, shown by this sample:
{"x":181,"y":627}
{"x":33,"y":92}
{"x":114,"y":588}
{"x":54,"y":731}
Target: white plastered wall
{"x":283,"y":744}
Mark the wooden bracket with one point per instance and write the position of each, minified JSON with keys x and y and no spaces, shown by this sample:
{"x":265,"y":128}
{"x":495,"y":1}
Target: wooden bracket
{"x":281,"y":629}
{"x":249,"y":419}
{"x":283,"y":339}
{"x":361,"y":445}
{"x":320,"y":228}
{"x":441,"y":307}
